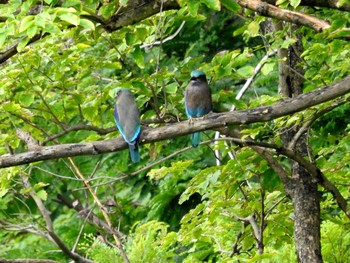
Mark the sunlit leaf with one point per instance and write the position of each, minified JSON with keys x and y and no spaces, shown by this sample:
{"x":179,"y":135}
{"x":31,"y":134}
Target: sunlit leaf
{"x":70,"y":18}
{"x":295,"y":3}
{"x":212,"y":4}
{"x":231,"y":6}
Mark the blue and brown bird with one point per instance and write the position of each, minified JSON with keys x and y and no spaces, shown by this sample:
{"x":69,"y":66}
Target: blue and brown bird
{"x":127,"y":118}
{"x":197,"y":100}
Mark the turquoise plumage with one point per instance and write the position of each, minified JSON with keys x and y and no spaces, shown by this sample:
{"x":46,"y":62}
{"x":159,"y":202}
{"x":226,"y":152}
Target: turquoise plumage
{"x":127,"y":118}
{"x":197,"y":100}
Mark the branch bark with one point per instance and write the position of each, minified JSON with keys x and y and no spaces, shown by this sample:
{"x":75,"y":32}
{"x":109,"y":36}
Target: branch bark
{"x":269,"y":10}
{"x":213,"y":121}
{"x":319,"y":3}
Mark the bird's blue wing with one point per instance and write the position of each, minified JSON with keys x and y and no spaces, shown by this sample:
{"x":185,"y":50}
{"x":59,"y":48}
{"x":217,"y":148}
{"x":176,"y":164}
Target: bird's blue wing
{"x":117,"y":121}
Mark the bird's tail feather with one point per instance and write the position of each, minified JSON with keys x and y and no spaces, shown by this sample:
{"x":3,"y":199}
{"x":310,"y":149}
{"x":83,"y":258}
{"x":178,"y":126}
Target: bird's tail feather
{"x":195,"y":139}
{"x":134,"y":152}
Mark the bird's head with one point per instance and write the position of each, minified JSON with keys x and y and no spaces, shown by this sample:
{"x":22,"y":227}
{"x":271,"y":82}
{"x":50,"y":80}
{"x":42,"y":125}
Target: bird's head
{"x":120,"y":91}
{"x":198,"y":74}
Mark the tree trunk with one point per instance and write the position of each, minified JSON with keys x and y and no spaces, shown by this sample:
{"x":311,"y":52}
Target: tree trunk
{"x":302,"y":189}
{"x":306,"y":202}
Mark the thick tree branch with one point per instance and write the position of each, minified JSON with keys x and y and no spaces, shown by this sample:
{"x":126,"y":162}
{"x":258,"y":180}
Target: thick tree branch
{"x":266,"y":9}
{"x":213,"y":121}
{"x":319,"y":3}
{"x":137,"y":10}
{"x":12,"y":50}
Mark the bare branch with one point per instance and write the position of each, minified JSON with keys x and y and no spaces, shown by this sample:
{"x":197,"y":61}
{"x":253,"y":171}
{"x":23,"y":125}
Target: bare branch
{"x":90,"y":215}
{"x":159,"y":42}
{"x":49,"y":226}
{"x":102,"y":209}
{"x":256,"y":231}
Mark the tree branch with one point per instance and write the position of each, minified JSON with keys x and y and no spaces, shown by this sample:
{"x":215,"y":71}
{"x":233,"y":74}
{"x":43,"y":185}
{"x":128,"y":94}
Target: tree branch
{"x":298,"y":18}
{"x":49,"y":226}
{"x":320,"y":3}
{"x":86,"y":213}
{"x":310,"y":167}
{"x":213,"y":121}
{"x":104,"y":213}
{"x":136,"y":11}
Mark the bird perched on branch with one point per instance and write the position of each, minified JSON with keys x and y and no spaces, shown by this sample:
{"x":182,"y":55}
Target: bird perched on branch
{"x":197,"y":100}
{"x":127,"y":118}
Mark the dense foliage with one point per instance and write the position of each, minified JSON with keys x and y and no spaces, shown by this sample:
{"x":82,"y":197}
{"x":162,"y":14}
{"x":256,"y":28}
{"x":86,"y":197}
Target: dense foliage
{"x":186,"y":208}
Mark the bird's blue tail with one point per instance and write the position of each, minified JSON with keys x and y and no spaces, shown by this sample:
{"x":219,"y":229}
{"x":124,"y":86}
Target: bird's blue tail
{"x":195,"y":139}
{"x":134,"y":152}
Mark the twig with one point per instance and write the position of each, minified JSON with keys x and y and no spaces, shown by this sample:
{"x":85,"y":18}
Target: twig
{"x":147,"y":166}
{"x":308,"y":123}
{"x":274,"y":205}
{"x":101,"y":207}
{"x":250,"y":80}
{"x":87,"y":213}
{"x":159,"y":42}
{"x":256,"y":231}
{"x":221,"y":250}
{"x":312,"y":169}
{"x":49,"y":226}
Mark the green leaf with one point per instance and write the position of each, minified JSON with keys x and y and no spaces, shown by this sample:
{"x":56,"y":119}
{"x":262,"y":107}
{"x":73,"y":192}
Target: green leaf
{"x":70,"y":18}
{"x":212,"y":4}
{"x":138,"y":56}
{"x":22,"y":44}
{"x":171,"y":88}
{"x":231,"y":6}
{"x":246,"y":71}
{"x":32,"y":30}
{"x":141,"y":33}
{"x":268,"y":68}
{"x":42,"y":194}
{"x":295,"y":3}
{"x":26,"y":99}
{"x":193,"y":6}
{"x":288,"y":42}
{"x":253,"y":29}
{"x":42,"y":19}
{"x":123,"y":2}
{"x":26,"y":23}
{"x":3,"y":36}
{"x":87,"y":24}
